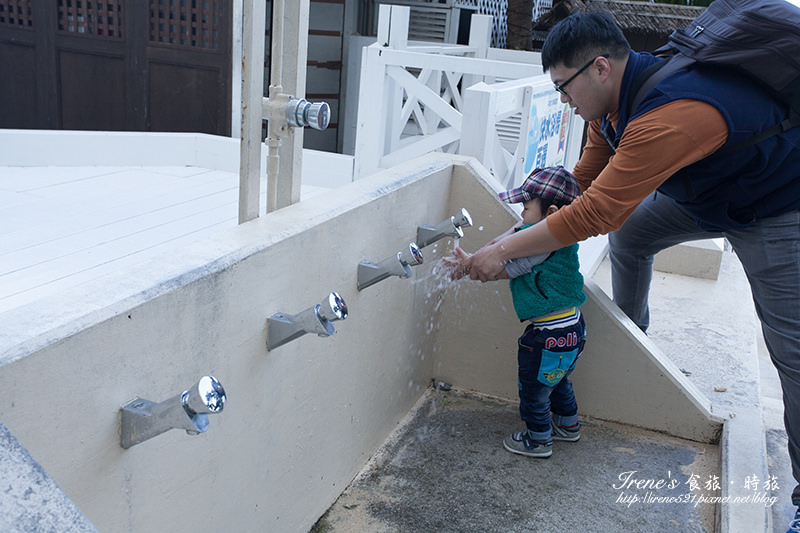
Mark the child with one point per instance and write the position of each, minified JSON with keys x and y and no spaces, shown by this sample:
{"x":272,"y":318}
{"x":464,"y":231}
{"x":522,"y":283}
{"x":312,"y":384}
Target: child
{"x":547,"y":290}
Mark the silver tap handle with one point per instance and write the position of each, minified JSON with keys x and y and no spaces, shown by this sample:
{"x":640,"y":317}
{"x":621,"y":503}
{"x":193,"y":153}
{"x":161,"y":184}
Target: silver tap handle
{"x":206,"y":396}
{"x":301,"y":113}
{"x":334,"y":308}
{"x":412,"y":256}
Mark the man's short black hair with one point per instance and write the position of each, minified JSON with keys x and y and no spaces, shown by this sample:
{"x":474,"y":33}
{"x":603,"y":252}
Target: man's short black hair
{"x":582,"y":36}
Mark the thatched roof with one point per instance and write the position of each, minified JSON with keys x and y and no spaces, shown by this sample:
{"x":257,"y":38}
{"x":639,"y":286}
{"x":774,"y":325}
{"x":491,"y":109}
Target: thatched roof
{"x":643,"y":17}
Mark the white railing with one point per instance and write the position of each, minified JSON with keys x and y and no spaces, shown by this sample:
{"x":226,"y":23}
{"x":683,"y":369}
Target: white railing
{"x":415,"y":98}
{"x":517,"y":126}
{"x":411,"y":94}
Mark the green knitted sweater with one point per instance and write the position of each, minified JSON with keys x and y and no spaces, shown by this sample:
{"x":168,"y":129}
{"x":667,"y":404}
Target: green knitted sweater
{"x":554,"y":284}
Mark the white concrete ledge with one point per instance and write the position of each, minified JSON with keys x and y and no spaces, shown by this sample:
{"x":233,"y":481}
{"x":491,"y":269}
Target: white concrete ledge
{"x":623,"y":376}
{"x":36,"y":148}
{"x":744,"y":456}
{"x":30,"y":499}
{"x":60,"y":148}
{"x":699,"y":259}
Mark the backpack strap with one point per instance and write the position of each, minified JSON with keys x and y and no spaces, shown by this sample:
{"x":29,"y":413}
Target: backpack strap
{"x":789,"y":123}
{"x":649,"y":77}
{"x":644,"y":82}
{"x":609,"y":135}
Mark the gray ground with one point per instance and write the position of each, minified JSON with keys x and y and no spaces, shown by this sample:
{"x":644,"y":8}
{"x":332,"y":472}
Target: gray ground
{"x":447,"y":471}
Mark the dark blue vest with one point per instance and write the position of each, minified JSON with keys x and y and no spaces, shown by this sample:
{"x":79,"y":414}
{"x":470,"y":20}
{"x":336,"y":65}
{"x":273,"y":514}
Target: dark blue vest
{"x":730,"y":190}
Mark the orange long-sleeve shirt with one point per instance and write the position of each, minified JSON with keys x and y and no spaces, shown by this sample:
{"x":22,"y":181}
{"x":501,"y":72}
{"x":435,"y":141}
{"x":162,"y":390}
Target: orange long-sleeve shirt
{"x":653,"y":147}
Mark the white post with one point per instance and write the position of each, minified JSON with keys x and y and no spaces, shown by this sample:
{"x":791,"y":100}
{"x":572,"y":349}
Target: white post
{"x":574,"y":140}
{"x":384,"y":14}
{"x":431,"y":118}
{"x":351,"y":11}
{"x":253,"y":25}
{"x":370,"y":127}
{"x":378,"y":104}
{"x":398,"y":28}
{"x":480,"y":36}
{"x":237,"y":35}
{"x":477,"y":131}
{"x":393,"y":102}
{"x":293,"y":81}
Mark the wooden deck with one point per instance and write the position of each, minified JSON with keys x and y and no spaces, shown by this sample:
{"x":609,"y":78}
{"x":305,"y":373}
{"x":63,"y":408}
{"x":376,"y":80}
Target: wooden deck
{"x":62,"y":226}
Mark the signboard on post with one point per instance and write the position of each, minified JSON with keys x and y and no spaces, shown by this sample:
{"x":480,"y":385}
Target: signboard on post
{"x":519,"y":125}
{"x":547,"y":132}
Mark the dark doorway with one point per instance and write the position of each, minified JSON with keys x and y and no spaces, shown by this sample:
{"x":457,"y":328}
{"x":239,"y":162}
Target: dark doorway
{"x":120,"y":65}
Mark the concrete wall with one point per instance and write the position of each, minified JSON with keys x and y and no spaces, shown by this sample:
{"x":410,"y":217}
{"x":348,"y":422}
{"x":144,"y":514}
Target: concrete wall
{"x":302,"y":419}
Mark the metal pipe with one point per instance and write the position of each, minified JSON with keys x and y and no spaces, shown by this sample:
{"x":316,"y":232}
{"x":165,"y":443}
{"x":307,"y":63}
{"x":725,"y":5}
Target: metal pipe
{"x":284,"y":113}
{"x":142,"y":419}
{"x":273,"y":167}
{"x":275,"y":89}
{"x":282,"y":327}
{"x":370,"y":273}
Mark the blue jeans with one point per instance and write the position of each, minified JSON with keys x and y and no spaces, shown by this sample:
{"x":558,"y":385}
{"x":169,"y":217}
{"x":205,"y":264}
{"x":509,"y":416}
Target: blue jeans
{"x":546,"y":358}
{"x":769,"y":251}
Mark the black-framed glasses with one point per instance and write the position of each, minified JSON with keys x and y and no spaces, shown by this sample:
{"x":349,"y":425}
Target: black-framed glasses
{"x":560,"y":87}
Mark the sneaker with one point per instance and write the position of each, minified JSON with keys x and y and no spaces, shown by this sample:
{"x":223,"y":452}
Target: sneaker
{"x":522,"y":444}
{"x":569,"y":434}
{"x":794,"y":525}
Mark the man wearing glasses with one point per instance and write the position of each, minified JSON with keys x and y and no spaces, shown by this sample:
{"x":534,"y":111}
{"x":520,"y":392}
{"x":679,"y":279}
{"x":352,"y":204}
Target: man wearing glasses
{"x":660,"y":174}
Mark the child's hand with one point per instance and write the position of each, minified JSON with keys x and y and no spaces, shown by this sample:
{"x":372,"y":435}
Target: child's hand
{"x":455,"y":265}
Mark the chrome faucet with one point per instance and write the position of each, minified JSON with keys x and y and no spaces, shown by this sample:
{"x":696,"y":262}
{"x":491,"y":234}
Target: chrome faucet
{"x":282,"y":328}
{"x":142,"y":419}
{"x":370,"y":273}
{"x":447,"y":228}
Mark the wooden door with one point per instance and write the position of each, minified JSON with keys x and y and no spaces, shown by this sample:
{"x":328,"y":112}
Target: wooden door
{"x":135,"y":65}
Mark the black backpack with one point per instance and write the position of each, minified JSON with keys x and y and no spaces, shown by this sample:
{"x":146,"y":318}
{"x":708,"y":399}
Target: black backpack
{"x":759,"y":38}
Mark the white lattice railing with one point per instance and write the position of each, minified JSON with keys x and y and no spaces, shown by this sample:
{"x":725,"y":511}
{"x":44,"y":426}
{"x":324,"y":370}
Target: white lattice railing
{"x":547,"y":133}
{"x":422,"y":97}
{"x":411,"y":95}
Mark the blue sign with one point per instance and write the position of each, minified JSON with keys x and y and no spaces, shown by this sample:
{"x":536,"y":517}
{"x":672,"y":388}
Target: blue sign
{"x":547,"y":132}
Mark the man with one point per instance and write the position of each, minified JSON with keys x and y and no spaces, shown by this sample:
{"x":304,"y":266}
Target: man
{"x":667,"y":181}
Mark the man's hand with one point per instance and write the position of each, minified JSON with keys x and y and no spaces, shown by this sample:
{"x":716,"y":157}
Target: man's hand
{"x":485,"y":264}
